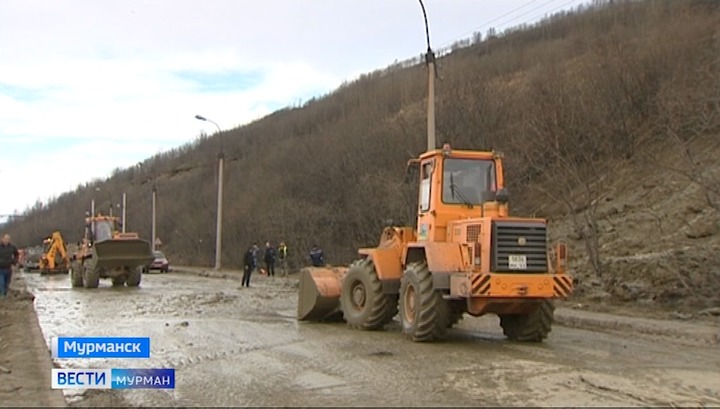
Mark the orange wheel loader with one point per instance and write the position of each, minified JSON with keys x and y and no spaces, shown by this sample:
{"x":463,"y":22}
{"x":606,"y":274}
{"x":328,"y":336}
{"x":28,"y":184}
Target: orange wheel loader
{"x":106,"y":253}
{"x":467,"y":255}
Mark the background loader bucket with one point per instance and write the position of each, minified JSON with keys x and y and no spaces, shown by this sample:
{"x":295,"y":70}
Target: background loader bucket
{"x":319,"y":293}
{"x":129,"y":253}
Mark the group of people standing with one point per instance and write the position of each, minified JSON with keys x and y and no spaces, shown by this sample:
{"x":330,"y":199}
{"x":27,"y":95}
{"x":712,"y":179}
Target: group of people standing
{"x":271,"y":256}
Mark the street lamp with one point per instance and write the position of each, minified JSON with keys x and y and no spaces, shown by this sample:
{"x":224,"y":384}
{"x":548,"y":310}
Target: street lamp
{"x":218,"y":228}
{"x":202,"y":118}
{"x":430,"y":61}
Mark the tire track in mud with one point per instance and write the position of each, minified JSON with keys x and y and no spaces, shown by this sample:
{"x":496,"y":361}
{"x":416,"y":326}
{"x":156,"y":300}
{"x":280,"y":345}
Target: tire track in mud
{"x":317,"y":371}
{"x":638,"y":385}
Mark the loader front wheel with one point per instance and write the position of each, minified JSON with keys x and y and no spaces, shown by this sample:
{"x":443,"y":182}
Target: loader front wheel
{"x":91,"y":277}
{"x":531,"y":327}
{"x":425,"y":315}
{"x":364,"y":305}
{"x":76,"y":276}
{"x":134,"y":276}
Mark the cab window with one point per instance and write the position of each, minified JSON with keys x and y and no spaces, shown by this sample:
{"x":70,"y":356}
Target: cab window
{"x":467,"y":180}
{"x":426,"y":170}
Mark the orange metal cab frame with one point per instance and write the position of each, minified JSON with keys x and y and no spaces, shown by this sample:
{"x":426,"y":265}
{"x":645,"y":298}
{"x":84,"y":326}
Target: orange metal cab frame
{"x":475,"y":251}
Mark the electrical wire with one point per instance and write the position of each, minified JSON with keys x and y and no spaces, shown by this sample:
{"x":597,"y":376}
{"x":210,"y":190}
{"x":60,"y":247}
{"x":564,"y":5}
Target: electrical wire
{"x":463,"y":36}
{"x":474,"y":30}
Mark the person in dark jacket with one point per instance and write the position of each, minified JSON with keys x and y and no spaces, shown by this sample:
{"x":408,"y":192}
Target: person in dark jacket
{"x":8,"y":258}
{"x":249,"y":266}
{"x":317,"y":257}
{"x":269,"y":258}
{"x":282,"y":251}
{"x":255,"y":252}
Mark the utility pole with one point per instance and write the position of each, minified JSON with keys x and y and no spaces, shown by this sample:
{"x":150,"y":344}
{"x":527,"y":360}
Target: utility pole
{"x":221,"y":165}
{"x":432,"y":73}
{"x":154,"y":214}
{"x":218,"y":228}
{"x":92,"y":214}
{"x":124,"y":211}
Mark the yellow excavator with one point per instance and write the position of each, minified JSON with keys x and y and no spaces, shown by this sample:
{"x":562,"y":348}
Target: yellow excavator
{"x":55,"y":258}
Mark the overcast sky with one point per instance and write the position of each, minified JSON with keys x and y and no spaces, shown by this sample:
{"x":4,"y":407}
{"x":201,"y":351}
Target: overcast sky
{"x":87,"y":86}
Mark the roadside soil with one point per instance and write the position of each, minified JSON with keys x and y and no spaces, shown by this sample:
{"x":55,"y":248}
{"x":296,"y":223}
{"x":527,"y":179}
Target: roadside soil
{"x":25,"y":362}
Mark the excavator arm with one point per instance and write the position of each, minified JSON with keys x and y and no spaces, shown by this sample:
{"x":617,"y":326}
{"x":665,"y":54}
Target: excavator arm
{"x":50,"y":255}
{"x":56,"y":247}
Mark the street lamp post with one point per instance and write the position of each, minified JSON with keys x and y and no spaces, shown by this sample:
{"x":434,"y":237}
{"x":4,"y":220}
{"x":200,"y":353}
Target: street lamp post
{"x":153,"y":234}
{"x":218,"y":228}
{"x":430,"y":61}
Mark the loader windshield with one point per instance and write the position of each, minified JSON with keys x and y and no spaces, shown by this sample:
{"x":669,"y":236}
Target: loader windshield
{"x":468,"y":181}
{"x":103,"y":230}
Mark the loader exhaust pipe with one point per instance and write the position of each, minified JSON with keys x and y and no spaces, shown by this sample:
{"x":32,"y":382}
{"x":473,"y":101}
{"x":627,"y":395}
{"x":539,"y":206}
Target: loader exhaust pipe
{"x":319,"y":293}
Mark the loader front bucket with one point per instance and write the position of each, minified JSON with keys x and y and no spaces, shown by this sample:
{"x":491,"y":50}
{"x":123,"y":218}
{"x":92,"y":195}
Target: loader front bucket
{"x":319,"y":293}
{"x":130,"y":253}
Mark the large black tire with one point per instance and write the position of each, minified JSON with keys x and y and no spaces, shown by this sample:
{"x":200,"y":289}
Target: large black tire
{"x":76,"y":275}
{"x":531,"y":327}
{"x":424,"y":314}
{"x":363,"y":303}
{"x":134,"y":277}
{"x":91,"y":277}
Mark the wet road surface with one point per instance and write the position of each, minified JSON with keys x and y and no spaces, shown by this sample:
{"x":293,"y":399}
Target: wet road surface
{"x":238,"y":346}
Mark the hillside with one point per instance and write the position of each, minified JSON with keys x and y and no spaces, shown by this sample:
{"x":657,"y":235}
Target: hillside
{"x":609,"y":118}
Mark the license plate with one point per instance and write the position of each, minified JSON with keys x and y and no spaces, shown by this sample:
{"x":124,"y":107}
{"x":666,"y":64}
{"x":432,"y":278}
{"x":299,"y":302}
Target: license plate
{"x":517,"y":262}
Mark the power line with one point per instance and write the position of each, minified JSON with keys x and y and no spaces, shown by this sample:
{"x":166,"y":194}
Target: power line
{"x":528,"y":12}
{"x":546,"y":11}
{"x":463,"y":36}
{"x":490,"y":22}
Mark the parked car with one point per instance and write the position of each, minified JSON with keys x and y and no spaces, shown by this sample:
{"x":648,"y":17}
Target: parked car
{"x":32,"y":256}
{"x":159,"y":263}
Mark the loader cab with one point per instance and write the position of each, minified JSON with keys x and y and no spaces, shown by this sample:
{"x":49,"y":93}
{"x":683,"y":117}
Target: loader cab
{"x":103,"y":230}
{"x":100,"y":228}
{"x":457,"y":184}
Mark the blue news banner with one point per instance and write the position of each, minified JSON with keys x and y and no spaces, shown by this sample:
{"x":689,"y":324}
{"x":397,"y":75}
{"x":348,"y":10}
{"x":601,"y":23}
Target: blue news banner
{"x":114,"y":378}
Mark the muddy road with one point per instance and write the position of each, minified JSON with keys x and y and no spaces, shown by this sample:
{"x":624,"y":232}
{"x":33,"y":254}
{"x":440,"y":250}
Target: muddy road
{"x":238,"y":346}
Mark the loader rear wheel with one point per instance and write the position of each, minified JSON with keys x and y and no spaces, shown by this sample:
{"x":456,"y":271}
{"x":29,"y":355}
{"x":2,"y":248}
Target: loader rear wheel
{"x":76,"y":276}
{"x":364,"y":305}
{"x":134,"y":276}
{"x":425,"y":315}
{"x":531,"y":327}
{"x":91,"y":277}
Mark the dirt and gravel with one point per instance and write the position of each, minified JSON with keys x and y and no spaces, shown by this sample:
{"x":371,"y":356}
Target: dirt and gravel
{"x":24,"y":358}
{"x":243,"y":347}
